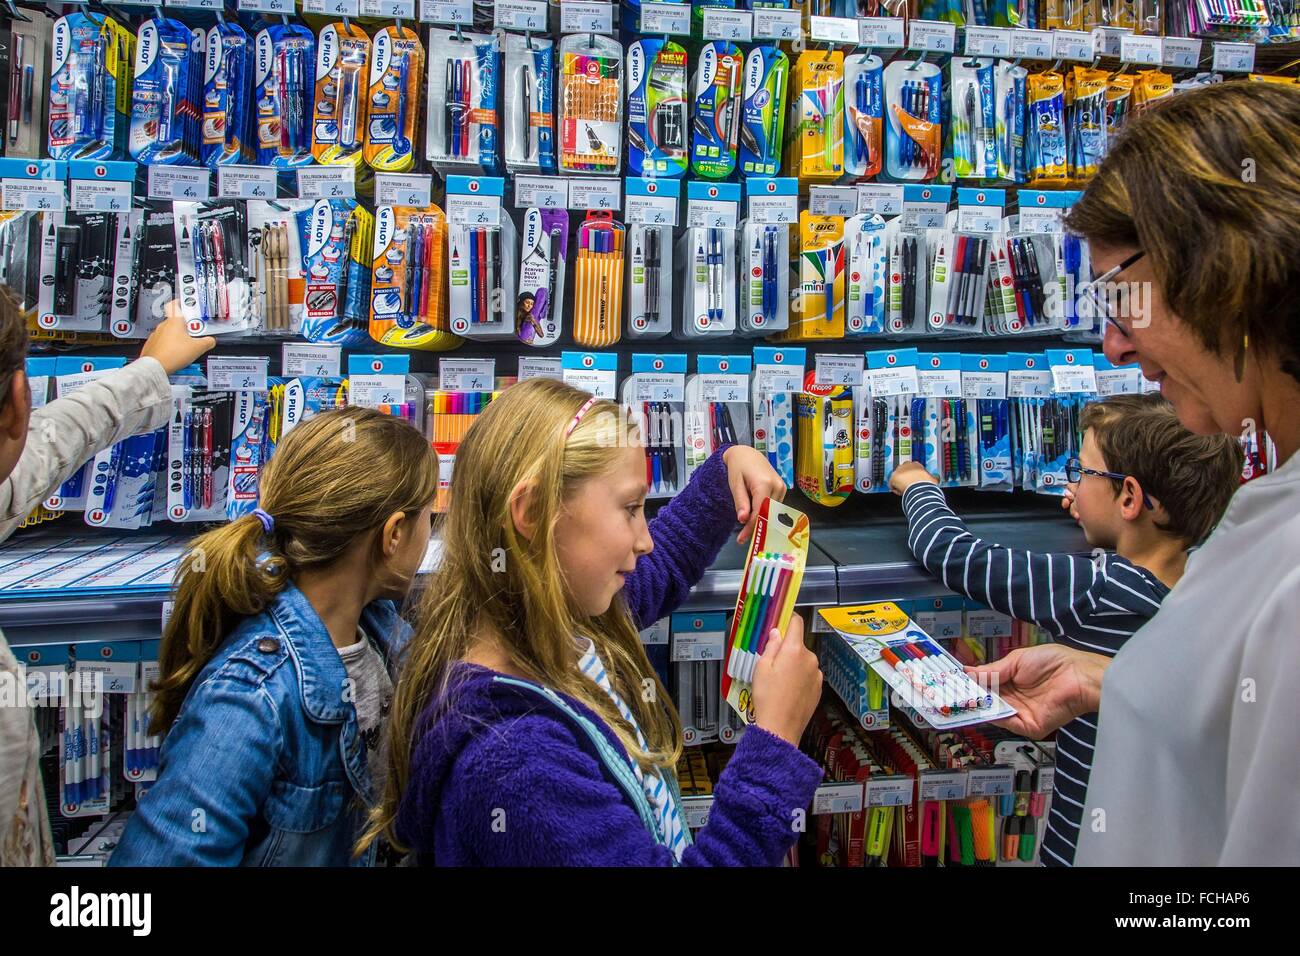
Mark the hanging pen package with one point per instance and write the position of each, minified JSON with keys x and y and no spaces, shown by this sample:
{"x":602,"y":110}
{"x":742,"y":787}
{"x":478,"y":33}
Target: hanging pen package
{"x":591,"y":105}
{"x":1010,"y":100}
{"x":941,"y":426}
{"x":212,"y":266}
{"x":866,"y":268}
{"x":885,"y":434}
{"x":336,"y":237}
{"x":654,"y":396}
{"x":91,"y":63}
{"x":275,"y":265}
{"x":913,"y":131}
{"x":906,"y":293}
{"x":598,"y":280}
{"x":650,"y":281}
{"x":973,"y":110}
{"x":28,"y":44}
{"x":718,"y":97}
{"x":959,"y":280}
{"x":815,"y":152}
{"x":199,"y":456}
{"x":529,"y":97}
{"x":285,"y":77}
{"x":463,"y":88}
{"x":253,"y":434}
{"x":656,"y":108}
{"x":864,"y":111}
{"x":717,"y":407}
{"x":483,"y":264}
{"x":393,"y":100}
{"x":765,"y":275}
{"x":77,"y":256}
{"x":984,"y":387}
{"x":824,"y":464}
{"x":709,"y":295}
{"x":408,"y":299}
{"x":543,"y":259}
{"x":1046,"y":160}
{"x":71,"y":373}
{"x":817,"y":310}
{"x":778,"y":377}
{"x":228,"y":134}
{"x":767,"y":72}
{"x":342,"y":96}
{"x":166,"y":100}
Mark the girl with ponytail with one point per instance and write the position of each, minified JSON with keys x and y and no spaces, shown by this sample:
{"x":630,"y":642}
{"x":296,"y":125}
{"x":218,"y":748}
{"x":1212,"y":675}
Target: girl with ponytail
{"x":278,"y":662}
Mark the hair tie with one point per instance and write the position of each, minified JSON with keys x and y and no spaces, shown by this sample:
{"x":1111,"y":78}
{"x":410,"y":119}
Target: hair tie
{"x":268,"y":523}
{"x":578,"y":417}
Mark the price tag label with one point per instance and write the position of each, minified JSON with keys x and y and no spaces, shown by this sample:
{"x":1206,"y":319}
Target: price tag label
{"x":840,"y":369}
{"x":895,"y":791}
{"x":266,"y":6}
{"x":403,"y":189}
{"x":528,"y":15}
{"x":943,"y":785}
{"x":476,"y":210}
{"x":540,"y":367}
{"x":1234,"y":57}
{"x":990,"y":781}
{"x":777,"y":25}
{"x":979,"y":219}
{"x":724,"y":388}
{"x":1144,"y":50}
{"x":371,"y":391}
{"x":116,"y":677}
{"x":880,"y":199}
{"x":704,"y":646}
{"x":988,"y":41}
{"x":35,"y":195}
{"x":1074,"y":378}
{"x":315,"y":361}
{"x":99,"y":195}
{"x":882,"y":32}
{"x":467,"y":375}
{"x":196,"y":4}
{"x":227,"y":374}
{"x":925,"y":215}
{"x":841,"y":30}
{"x":976,"y":385}
{"x":900,"y":380}
{"x":711,"y":214}
{"x":1106,"y":40}
{"x":447,"y":11}
{"x":586,"y":17}
{"x":600,"y":383}
{"x":695,"y":811}
{"x":832,"y":200}
{"x":672,"y":18}
{"x":172,"y":182}
{"x":774,"y":210}
{"x":844,"y":797}
{"x":246,"y":182}
{"x":652,"y":210}
{"x":1041,"y":221}
{"x":1071,"y":45}
{"x":1032,"y":44}
{"x":1182,"y":52}
{"x":332,"y":8}
{"x":660,"y":387}
{"x":389,"y":9}
{"x":932,"y":36}
{"x":656,"y":633}
{"x":1046,"y":778}
{"x":542,"y":192}
{"x":327,"y":182}
{"x":595,"y":194}
{"x":734,"y":25}
{"x":778,"y":378}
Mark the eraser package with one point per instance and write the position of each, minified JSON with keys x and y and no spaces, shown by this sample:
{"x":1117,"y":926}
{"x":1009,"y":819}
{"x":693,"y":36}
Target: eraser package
{"x":529,"y":96}
{"x":29,"y":66}
{"x":866,"y":268}
{"x":767,"y":71}
{"x":591,"y":105}
{"x":408,"y":301}
{"x":336,"y":237}
{"x":718,"y":96}
{"x":166,"y":107}
{"x":973,"y":111}
{"x":285,"y":77}
{"x":393,"y":107}
{"x":91,"y":64}
{"x":824,"y":468}
{"x":211,"y":266}
{"x":656,"y":108}
{"x":228,"y":134}
{"x":463,"y":99}
{"x":765,"y":278}
{"x":543,"y":258}
{"x":709,"y":295}
{"x":913,"y":131}
{"x":864,"y":111}
{"x":598,"y":280}
{"x":483,"y":266}
{"x":650,"y":281}
{"x":339,"y":117}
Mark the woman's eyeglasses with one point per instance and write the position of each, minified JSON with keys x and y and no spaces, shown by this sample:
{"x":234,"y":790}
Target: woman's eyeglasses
{"x":1074,"y":472}
{"x":1097,"y":296}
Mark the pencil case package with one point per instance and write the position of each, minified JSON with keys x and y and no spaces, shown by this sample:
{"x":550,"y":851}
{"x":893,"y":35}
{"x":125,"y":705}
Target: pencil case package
{"x":335,"y":236}
{"x":198,"y":456}
{"x":393,"y":109}
{"x":285,"y":84}
{"x":528,"y":136}
{"x":29,"y":65}
{"x":91,"y":62}
{"x":166,"y":111}
{"x":650,"y":281}
{"x":817,"y":308}
{"x":767,"y":72}
{"x":76,"y":253}
{"x":227,"y":96}
{"x":913,"y":128}
{"x":591,"y":105}
{"x":973,"y":111}
{"x":598,"y":280}
{"x":543,"y":259}
{"x":864,"y":116}
{"x":866,"y":272}
{"x":408,"y":298}
{"x":275,"y":257}
{"x":718,"y":94}
{"x":483,"y":264}
{"x":253,"y":432}
{"x":715,"y":416}
{"x":1046,"y":158}
{"x":824,"y":451}
{"x":342,"y":95}
{"x":1010,"y":99}
{"x":765,"y":274}
{"x":656,"y":108}
{"x":709,"y":294}
{"x":463,"y":100}
{"x":927,"y":681}
{"x":211,"y":269}
{"x":769,"y":590}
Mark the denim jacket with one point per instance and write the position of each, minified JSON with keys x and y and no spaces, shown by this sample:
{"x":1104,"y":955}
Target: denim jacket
{"x":265,"y":765}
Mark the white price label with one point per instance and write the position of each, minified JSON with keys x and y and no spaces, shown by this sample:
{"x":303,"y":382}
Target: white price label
{"x":1106,"y":40}
{"x":196,"y":4}
{"x":704,"y":646}
{"x":474,"y":210}
{"x":1071,"y":45}
{"x":841,"y":30}
{"x":976,"y":385}
{"x":527,"y":15}
{"x":246,"y":182}
{"x":832,"y":200}
{"x":100,"y":195}
{"x":1182,"y":52}
{"x":979,"y":219}
{"x":695,"y":811}
{"x":1074,"y":378}
{"x":1234,"y":57}
{"x":389,"y":9}
{"x":777,"y":25}
{"x":540,"y":368}
{"x":943,"y":785}
{"x":599,"y":382}
{"x":901,"y":380}
{"x":774,"y":210}
{"x":34,"y":195}
{"x":890,"y":791}
{"x":666,"y":18}
{"x":660,"y":387}
{"x":467,"y":375}
{"x":542,"y":192}
{"x":990,"y":781}
{"x":882,"y":32}
{"x":595,"y":194}
{"x":315,"y":361}
{"x":924,"y":215}
{"x":734,"y":25}
{"x":1038,"y":220}
{"x":266,"y":6}
{"x":1143,"y":50}
{"x":172,"y":182}
{"x":880,"y":199}
{"x":327,"y":182}
{"x":237,"y":374}
{"x":656,"y":633}
{"x":403,"y":189}
{"x":932,"y":36}
{"x":1023,"y":383}
{"x":840,"y":369}
{"x":778,"y":378}
{"x":586,"y":17}
{"x":652,"y":210}
{"x":724,"y":388}
{"x":442,"y":11}
{"x":942,"y":383}
{"x":988,"y":41}
{"x":844,"y":797}
{"x":711,"y":214}
{"x":1031,"y":44}
{"x":370,"y":391}
{"x":332,"y":8}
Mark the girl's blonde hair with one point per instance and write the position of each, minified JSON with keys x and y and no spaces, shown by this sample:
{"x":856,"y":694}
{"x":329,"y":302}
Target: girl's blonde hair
{"x":334,"y":478}
{"x":493,"y":579}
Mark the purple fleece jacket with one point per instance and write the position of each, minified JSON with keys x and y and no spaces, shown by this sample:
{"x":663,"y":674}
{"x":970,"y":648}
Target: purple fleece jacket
{"x":501,"y":778}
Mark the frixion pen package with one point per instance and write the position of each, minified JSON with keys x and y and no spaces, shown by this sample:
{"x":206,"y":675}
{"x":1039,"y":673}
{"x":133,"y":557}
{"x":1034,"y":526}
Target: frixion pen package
{"x":228,"y":134}
{"x":866,"y":274}
{"x":285,"y":76}
{"x":408,"y":291}
{"x":340,"y":112}
{"x":77,"y":257}
{"x":463,"y":100}
{"x":394,"y":100}
{"x":656,"y":108}
{"x":529,"y":97}
{"x":91,"y":61}
{"x":156,"y":285}
{"x":864,"y":112}
{"x":765,"y":277}
{"x":166,"y":99}
{"x":718,"y":94}
{"x":212,"y":266}
{"x":973,"y":112}
{"x":767,"y":71}
{"x":127,"y":247}
{"x":336,"y":237}
{"x":543,"y":258}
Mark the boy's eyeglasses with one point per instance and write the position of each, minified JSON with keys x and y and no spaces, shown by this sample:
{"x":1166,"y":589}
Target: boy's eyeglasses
{"x":1095,"y":295}
{"x":1074,"y":472}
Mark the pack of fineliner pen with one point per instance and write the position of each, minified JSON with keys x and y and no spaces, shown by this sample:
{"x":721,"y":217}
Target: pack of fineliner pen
{"x":769,"y":590}
{"x":651,"y":281}
{"x":590,"y":105}
{"x":463,"y":100}
{"x":913,"y":130}
{"x":1011,"y":89}
{"x":227,"y":96}
{"x":284,"y":63}
{"x":959,"y":278}
{"x":657,"y":120}
{"x":709,"y":289}
{"x":336,"y":236}
{"x":598,"y":264}
{"x":393,"y":109}
{"x":212,"y":266}
{"x":718,"y":96}
{"x":824,"y":441}
{"x":866,"y":273}
{"x":765,"y":277}
{"x":984,"y":387}
{"x":762,"y":126}
{"x":408,"y":290}
{"x":864,"y":115}
{"x":717,"y":407}
{"x":543,"y":260}
{"x":70,"y":374}
{"x":528,"y":94}
{"x":654,"y":396}
{"x":91,"y":64}
{"x":198,"y":456}
{"x":342,"y":95}
{"x":166,"y":99}
{"x":482,"y":279}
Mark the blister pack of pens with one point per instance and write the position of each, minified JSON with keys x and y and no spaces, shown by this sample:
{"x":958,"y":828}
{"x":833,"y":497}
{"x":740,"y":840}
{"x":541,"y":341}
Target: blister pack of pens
{"x":591,"y":105}
{"x":543,"y":260}
{"x":154,"y":266}
{"x":817,"y":308}
{"x":254,"y":433}
{"x":408,"y":292}
{"x":166,"y":99}
{"x":452,"y":412}
{"x":198,"y":456}
{"x":341,"y":101}
{"x":598,"y":280}
{"x":529,"y":97}
{"x":864,"y":115}
{"x":654,"y":396}
{"x":762,"y":129}
{"x":483,"y":277}
{"x":907,"y":286}
{"x":866,"y":275}
{"x":228,"y":134}
{"x":656,"y":108}
{"x":76,"y":259}
{"x":1046,"y":160}
{"x":284,"y":60}
{"x":91,"y":63}
{"x":984,"y":388}
{"x":1086,"y":121}
{"x":393,"y":109}
{"x":697,"y":690}
{"x":773,"y":416}
{"x":650,"y":281}
{"x":824,"y":437}
{"x":86,"y":782}
{"x":769,"y":590}
{"x":28,"y":42}
{"x":815,"y":142}
{"x":883,"y":410}
{"x":765,"y":274}
{"x":1119,"y":104}
{"x":959,"y":281}
{"x":275,"y":251}
{"x":717,"y":408}
{"x":336,"y":237}
{"x":141,"y":749}
{"x":70,"y":374}
{"x":211,"y":266}
{"x":301,"y":399}
{"x":717,"y":93}
{"x":709,"y":295}
{"x":125,"y":482}
{"x":913,"y":130}
{"x":463,"y":101}
{"x":1009,"y":99}
{"x":1150,"y":87}
{"x":942,"y":426}
{"x":973,"y":110}
{"x":1023,"y":286}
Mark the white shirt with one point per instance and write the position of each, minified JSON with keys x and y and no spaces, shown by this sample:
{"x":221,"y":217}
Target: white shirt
{"x":1198,"y":748}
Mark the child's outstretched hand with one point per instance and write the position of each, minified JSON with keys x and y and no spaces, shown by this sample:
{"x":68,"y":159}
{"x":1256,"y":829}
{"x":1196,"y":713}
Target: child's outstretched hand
{"x":172,"y":346}
{"x":752,"y":479}
{"x":908,"y":474}
{"x":787,"y":684}
{"x":1048,"y":685}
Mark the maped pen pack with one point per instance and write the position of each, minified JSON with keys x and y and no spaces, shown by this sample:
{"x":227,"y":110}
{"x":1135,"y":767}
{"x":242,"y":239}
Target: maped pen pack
{"x":778,"y":376}
{"x":765,"y":277}
{"x":543,"y":259}
{"x":650,"y":281}
{"x":817,"y":311}
{"x":913,"y":131}
{"x":70,"y":374}
{"x":275,"y":264}
{"x":212,"y":266}
{"x":654,"y":396}
{"x":91,"y":63}
{"x":984,"y":387}
{"x":285,"y":78}
{"x":769,"y":590}
{"x":1046,"y":159}
{"x":408,"y":295}
{"x":973,"y":111}
{"x":866,"y":272}
{"x":591,"y":105}
{"x":228,"y":134}
{"x":815,"y":143}
{"x":598,"y":280}
{"x":864,"y":114}
{"x":77,"y":257}
{"x":656,"y":108}
{"x":166,"y":100}
{"x":824,"y":436}
{"x":24,"y":83}
{"x":393,"y":110}
{"x":463,"y":97}
{"x":342,"y":95}
{"x":529,"y":97}
{"x":709,"y":295}
{"x":718,"y":95}
{"x":762,"y":129}
{"x":336,"y":237}
{"x":717,"y":407}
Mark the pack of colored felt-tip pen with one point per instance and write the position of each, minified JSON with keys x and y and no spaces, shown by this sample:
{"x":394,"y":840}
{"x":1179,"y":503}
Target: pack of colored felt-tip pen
{"x":342,"y":95}
{"x":166,"y":105}
{"x":656,"y":108}
{"x":463,"y":99}
{"x":228,"y":134}
{"x":769,"y":590}
{"x":927,"y":681}
{"x":336,"y":237}
{"x":92,"y":60}
{"x":285,"y":85}
{"x":528,"y":95}
{"x":590,"y":105}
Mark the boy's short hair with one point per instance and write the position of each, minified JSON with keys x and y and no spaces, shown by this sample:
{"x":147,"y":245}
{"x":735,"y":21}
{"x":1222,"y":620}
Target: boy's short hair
{"x":1191,"y":476}
{"x":13,"y":343}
